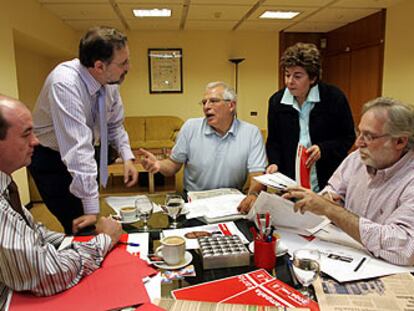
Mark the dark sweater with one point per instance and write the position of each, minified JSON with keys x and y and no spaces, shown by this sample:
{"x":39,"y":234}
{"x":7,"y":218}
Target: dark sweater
{"x":331,"y":127}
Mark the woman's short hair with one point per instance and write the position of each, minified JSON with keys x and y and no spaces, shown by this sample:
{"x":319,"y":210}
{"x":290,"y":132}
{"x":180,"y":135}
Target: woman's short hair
{"x":400,"y":117}
{"x":99,"y":43}
{"x":304,"y":55}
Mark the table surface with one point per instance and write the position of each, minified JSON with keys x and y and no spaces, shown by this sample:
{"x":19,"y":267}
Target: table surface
{"x":160,"y":221}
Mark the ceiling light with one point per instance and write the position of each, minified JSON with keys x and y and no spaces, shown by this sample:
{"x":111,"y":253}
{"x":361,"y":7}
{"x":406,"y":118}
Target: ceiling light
{"x":152,"y":12}
{"x":279,"y":14}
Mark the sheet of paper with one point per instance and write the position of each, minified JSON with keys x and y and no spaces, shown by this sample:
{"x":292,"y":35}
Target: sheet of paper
{"x":190,"y":234}
{"x":153,"y":286}
{"x":291,"y":240}
{"x":343,"y":271}
{"x":118,"y":202}
{"x":283,"y":215}
{"x":332,"y":233}
{"x":276,"y":180}
{"x":214,"y":207}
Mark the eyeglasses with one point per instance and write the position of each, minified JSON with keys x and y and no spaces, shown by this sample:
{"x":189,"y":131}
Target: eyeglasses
{"x":368,"y":137}
{"x":123,"y":64}
{"x":213,"y":101}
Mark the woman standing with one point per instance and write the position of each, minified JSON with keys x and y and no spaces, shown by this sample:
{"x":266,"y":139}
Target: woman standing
{"x":311,"y":113}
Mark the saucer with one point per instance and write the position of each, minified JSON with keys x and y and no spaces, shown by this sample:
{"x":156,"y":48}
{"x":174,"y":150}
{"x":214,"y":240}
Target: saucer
{"x":187,"y":259}
{"x":281,"y":249}
{"x":125,"y":222}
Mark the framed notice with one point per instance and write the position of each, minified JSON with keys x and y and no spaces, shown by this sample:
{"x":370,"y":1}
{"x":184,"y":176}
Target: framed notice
{"x":165,"y":70}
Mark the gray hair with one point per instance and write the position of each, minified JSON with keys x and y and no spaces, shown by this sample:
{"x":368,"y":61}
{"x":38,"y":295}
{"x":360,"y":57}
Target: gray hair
{"x":400,"y":117}
{"x":228,"y":92}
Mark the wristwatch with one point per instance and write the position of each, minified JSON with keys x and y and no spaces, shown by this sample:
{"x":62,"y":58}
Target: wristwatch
{"x":255,"y":193}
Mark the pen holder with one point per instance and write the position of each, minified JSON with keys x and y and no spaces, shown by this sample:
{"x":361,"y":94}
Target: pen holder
{"x":265,"y":254}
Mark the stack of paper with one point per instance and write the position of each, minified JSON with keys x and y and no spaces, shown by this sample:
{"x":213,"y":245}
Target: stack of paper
{"x":216,"y":209}
{"x":197,"y":195}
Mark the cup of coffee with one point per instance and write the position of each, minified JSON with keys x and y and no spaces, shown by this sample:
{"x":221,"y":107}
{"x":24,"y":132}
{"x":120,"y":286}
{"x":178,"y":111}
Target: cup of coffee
{"x":172,"y":250}
{"x":128,"y":213}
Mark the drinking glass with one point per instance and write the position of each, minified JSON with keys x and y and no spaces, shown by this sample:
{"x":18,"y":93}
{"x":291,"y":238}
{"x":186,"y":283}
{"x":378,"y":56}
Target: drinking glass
{"x":174,"y":203}
{"x":306,"y":268}
{"x":144,"y":210}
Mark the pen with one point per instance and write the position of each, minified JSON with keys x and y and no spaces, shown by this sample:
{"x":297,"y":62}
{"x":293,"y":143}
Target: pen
{"x":292,"y":274}
{"x":129,"y":243}
{"x":360,"y":264}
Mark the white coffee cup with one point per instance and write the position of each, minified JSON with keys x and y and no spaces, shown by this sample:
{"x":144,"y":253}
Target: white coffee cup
{"x":129,"y":213}
{"x":172,"y":250}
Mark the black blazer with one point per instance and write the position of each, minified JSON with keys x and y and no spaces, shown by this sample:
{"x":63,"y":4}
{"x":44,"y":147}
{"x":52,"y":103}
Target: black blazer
{"x":331,"y":127}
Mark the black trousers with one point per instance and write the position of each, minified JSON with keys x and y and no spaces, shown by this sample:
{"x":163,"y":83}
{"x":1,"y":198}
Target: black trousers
{"x":53,"y":180}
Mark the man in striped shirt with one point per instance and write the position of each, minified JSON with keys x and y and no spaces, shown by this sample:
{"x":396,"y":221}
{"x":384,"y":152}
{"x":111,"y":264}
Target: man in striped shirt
{"x":29,"y":258}
{"x":372,"y":191}
{"x":67,"y":121}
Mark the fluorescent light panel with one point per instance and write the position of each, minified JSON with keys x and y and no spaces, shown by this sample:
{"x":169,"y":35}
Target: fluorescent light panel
{"x":152,"y":12}
{"x":279,"y":14}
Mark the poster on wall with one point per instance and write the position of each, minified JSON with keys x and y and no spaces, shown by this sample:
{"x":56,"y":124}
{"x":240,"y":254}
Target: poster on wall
{"x":165,"y":70}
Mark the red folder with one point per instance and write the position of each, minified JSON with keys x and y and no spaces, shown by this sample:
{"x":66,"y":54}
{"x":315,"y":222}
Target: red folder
{"x":302,"y":172}
{"x":253,"y":288}
{"x":117,"y":284}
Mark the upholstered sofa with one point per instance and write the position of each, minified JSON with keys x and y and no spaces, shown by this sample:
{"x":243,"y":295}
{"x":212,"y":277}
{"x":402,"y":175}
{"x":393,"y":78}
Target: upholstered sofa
{"x":152,"y":131}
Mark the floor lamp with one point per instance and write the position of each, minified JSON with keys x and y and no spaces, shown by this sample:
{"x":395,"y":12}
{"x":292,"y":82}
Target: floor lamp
{"x":236,"y":62}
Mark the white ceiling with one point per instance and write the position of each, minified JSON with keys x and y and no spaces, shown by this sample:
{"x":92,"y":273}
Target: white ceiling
{"x":227,"y":15}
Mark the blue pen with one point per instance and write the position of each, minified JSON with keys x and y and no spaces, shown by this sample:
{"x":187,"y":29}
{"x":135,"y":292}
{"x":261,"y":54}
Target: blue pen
{"x":129,"y":243}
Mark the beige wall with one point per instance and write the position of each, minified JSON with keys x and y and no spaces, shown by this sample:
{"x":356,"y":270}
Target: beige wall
{"x":205,"y":59}
{"x":398,"y":78}
{"x":33,"y":26}
{"x":33,"y":40}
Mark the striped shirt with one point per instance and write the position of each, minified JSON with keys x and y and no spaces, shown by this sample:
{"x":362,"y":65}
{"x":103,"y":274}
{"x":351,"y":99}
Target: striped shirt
{"x":384,"y":201}
{"x":65,"y":120}
{"x":29,"y":259}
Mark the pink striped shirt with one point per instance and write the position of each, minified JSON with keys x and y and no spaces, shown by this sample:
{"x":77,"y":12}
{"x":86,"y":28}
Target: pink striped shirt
{"x":384,"y":201}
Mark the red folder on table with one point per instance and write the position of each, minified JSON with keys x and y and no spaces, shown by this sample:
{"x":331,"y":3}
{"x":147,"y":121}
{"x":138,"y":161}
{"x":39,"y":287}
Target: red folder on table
{"x":302,"y":172}
{"x":253,"y":288}
{"x":117,"y":284}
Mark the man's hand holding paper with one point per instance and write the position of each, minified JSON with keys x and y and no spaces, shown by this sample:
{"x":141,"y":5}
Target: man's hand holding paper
{"x":307,"y":200}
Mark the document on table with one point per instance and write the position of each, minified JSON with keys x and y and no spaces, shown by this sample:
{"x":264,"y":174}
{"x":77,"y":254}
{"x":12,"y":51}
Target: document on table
{"x":216,"y":209}
{"x":392,"y":292}
{"x":332,"y":233}
{"x":283,"y":215}
{"x":118,"y":202}
{"x":192,"y":233}
{"x":276,"y":181}
{"x":346,"y":264}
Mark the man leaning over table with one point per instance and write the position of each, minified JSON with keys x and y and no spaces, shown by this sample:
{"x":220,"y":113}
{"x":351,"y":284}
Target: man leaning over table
{"x":79,"y":105}
{"x":29,"y":259}
{"x":218,"y":151}
{"x":371,"y":194}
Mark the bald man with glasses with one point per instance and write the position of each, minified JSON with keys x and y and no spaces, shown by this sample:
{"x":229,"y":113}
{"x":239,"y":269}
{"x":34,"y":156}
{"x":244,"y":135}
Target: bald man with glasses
{"x":218,"y":151}
{"x":370,"y":195}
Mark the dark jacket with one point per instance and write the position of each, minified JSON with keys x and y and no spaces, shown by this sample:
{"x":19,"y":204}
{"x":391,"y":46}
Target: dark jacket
{"x":331,"y":127}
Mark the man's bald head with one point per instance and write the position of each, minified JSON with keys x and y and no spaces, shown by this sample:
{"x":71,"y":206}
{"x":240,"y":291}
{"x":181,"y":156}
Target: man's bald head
{"x":17,"y":139}
{"x":7,"y":106}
